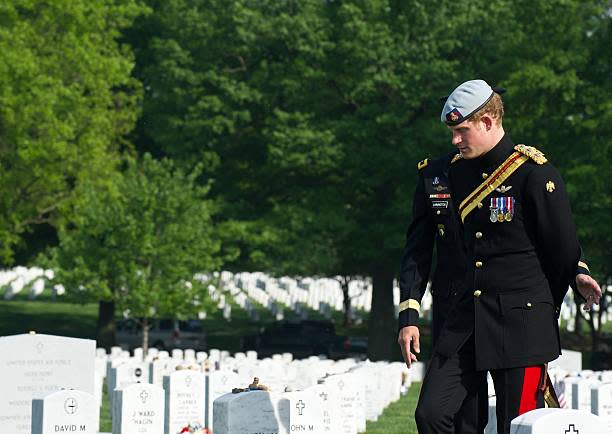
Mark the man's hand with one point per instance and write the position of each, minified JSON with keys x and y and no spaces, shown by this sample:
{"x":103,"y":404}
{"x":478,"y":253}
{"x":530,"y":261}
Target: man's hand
{"x":589,"y":289}
{"x":409,"y":336}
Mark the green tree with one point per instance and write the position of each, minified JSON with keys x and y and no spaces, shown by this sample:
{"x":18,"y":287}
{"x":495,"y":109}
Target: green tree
{"x":312,"y":115}
{"x":140,"y":243}
{"x":66,"y":100}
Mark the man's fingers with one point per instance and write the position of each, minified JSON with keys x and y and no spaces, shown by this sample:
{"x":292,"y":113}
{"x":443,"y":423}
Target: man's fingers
{"x":409,"y":342}
{"x":403,"y":343}
{"x":416,"y":345}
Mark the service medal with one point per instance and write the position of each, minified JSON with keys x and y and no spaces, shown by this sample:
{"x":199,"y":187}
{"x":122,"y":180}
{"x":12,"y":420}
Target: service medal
{"x":493,"y":216}
{"x":508,"y":217}
{"x":500,"y":217}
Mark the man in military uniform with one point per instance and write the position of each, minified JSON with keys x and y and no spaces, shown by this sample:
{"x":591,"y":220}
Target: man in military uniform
{"x":522,"y":252}
{"x":434,"y":222}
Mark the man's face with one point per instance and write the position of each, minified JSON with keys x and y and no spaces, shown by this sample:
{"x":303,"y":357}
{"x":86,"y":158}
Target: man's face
{"x":470,"y":138}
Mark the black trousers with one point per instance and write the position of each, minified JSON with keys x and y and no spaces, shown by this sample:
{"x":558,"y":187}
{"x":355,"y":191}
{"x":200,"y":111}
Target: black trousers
{"x":473,"y":415}
{"x":450,"y":381}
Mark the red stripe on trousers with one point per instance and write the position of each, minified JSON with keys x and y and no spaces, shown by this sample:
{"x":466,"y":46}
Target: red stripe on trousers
{"x":530,"y":389}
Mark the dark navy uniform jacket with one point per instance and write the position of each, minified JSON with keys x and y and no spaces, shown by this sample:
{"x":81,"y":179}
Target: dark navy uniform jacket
{"x":519,"y":269}
{"x":433,"y":223}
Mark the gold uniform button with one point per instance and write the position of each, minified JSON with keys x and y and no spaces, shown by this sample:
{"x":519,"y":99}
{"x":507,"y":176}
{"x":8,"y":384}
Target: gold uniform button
{"x":477,"y":293}
{"x":478,"y":235}
{"x":529,"y":305}
{"x":478,"y":264}
{"x":485,"y":175}
{"x":480,"y":205}
{"x":438,"y":212}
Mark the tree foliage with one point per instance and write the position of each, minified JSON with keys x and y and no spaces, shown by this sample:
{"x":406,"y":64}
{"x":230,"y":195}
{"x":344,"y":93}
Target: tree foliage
{"x":66,"y":100}
{"x":313,"y":114}
{"x":309,"y":116}
{"x":140,"y":241}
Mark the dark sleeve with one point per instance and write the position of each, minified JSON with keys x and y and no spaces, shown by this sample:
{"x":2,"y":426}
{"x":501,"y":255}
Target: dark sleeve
{"x":417,"y":257}
{"x":556,"y":239}
{"x":581,"y":268}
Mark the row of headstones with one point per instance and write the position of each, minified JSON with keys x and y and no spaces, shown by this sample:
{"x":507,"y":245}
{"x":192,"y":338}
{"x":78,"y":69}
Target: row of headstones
{"x":324,"y":294}
{"x":285,"y":291}
{"x":120,"y":369}
{"x":140,"y":408}
{"x":281,"y":370}
{"x":339,"y":403}
{"x":33,"y":279}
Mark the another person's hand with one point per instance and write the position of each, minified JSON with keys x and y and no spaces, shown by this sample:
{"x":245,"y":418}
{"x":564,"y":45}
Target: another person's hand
{"x":589,"y":289}
{"x":409,"y":336}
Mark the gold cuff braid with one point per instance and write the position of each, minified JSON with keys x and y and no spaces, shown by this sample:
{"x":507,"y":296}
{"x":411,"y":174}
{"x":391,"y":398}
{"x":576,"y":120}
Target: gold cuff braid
{"x":410,"y":304}
{"x":584,"y":265}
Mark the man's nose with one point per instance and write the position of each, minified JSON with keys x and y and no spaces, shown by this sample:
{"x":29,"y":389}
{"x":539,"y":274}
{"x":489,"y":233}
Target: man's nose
{"x":456,"y":139}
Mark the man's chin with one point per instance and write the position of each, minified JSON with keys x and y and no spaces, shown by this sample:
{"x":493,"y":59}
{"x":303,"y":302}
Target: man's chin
{"x":467,"y":153}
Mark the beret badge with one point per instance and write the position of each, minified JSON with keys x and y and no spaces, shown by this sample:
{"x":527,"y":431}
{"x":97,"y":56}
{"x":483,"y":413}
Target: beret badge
{"x":453,"y":116}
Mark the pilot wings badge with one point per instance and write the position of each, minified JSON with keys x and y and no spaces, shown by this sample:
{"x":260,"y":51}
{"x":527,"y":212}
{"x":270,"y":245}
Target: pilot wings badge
{"x":503,"y":188}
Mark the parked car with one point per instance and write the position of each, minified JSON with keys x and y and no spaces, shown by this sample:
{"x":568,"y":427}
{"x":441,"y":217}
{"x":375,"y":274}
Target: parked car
{"x":302,"y":339}
{"x":352,"y":346}
{"x":163,"y":334}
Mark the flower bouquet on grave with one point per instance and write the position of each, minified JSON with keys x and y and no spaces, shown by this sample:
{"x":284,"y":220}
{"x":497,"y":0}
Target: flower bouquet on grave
{"x":194,"y":428}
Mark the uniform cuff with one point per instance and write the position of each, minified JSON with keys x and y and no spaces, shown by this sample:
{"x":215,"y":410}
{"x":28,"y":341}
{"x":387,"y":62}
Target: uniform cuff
{"x":583,"y":268}
{"x":408,"y":317}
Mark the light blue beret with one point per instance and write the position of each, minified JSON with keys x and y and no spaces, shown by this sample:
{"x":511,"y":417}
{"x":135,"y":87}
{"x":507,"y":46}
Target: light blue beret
{"x":466,"y":99}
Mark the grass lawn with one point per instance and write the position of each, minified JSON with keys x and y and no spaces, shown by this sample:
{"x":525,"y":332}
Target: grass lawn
{"x":398,"y":418}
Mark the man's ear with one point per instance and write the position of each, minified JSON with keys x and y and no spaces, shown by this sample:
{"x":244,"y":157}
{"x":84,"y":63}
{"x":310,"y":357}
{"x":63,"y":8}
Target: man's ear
{"x":488,"y":122}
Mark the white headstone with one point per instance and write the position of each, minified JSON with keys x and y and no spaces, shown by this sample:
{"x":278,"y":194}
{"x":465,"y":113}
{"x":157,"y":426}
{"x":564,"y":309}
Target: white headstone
{"x":217,"y":383}
{"x":305,"y":412}
{"x":581,"y":393}
{"x":185,"y":400}
{"x":568,"y":389}
{"x":568,"y":360}
{"x":138,"y":408}
{"x":601,"y":403}
{"x":157,"y":370}
{"x":251,"y":412}
{"x":65,"y":411}
{"x":124,"y":375}
{"x":330,"y":404}
{"x":491,"y":427}
{"x":32,"y":366}
{"x":417,"y":371}
{"x":348,"y":390}
{"x":556,"y":420}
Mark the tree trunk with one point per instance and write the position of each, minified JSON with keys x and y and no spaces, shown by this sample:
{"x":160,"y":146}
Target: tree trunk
{"x":577,"y":323}
{"x":382,"y":324}
{"x":347,"y":299}
{"x":105,"y":332}
{"x":145,"y":336}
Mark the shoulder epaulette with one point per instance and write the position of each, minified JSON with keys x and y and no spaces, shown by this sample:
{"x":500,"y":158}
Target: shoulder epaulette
{"x":533,"y":153}
{"x":456,"y":158}
{"x":423,"y":164}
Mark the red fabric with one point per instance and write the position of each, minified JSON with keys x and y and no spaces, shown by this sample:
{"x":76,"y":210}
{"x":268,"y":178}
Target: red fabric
{"x":533,"y":374}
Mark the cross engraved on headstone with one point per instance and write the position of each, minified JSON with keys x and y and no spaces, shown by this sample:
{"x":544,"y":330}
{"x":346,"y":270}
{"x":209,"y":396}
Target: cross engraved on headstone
{"x":573,"y":429}
{"x":144,"y":395}
{"x":341,"y":385}
{"x":323,"y":395}
{"x":70,"y":405}
{"x":188,"y":381}
{"x":39,"y":347}
{"x":138,"y":372}
{"x":300,"y":406}
{"x":224,"y":380}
